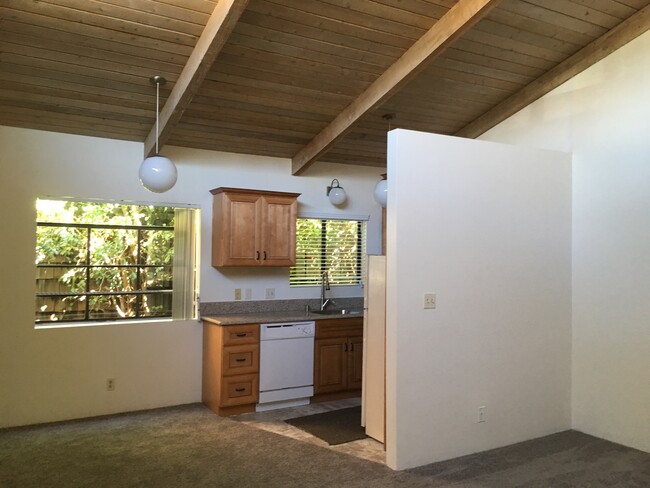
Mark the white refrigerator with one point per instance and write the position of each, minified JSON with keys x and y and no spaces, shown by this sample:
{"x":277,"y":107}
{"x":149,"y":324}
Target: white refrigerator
{"x":373,"y":396}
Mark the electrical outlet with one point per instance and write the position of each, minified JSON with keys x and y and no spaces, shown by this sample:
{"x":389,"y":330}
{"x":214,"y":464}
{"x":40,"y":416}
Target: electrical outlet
{"x":248,"y":293}
{"x":480,"y":417}
{"x":429,"y":300}
{"x":237,"y":293}
{"x":270,"y":293}
{"x":110,"y":384}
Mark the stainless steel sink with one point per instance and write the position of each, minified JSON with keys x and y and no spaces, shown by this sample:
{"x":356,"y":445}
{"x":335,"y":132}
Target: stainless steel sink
{"x":334,"y":311}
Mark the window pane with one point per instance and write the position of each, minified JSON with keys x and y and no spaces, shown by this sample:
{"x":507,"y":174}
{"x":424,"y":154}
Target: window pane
{"x":113,"y":279}
{"x":61,"y":245}
{"x":159,"y":278}
{"x":156,"y":305}
{"x":113,"y":246}
{"x":342,"y":251}
{"x":54,"y":309}
{"x":60,"y":280}
{"x":307,"y":269}
{"x":112,"y":307}
{"x":157,"y":247}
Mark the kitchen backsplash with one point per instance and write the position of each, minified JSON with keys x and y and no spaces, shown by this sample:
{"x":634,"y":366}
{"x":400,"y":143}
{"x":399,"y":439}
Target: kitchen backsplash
{"x":261,"y":306}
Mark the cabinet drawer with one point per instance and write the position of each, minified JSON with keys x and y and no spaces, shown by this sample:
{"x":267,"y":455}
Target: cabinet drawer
{"x":241,"y":359}
{"x":239,"y":390}
{"x":234,"y":335}
{"x":346,"y":327}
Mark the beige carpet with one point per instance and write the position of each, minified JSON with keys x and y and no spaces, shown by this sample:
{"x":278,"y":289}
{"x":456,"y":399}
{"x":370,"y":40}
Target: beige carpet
{"x":189,"y":446}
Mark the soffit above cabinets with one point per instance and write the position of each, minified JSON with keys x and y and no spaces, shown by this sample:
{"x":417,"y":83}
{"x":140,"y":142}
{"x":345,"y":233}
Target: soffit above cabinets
{"x":303,"y":79}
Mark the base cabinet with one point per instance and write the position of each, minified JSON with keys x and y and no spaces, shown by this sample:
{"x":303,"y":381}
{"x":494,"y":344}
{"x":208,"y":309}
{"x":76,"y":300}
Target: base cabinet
{"x":231,"y":361}
{"x":338,"y":358}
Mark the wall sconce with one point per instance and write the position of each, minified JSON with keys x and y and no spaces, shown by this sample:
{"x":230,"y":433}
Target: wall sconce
{"x":336,"y":193}
{"x":381,"y":191}
{"x":158,"y":173}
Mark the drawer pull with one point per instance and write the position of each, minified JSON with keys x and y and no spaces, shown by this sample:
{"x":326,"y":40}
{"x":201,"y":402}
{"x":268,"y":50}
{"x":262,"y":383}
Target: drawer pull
{"x":241,"y":334}
{"x":240,"y":360}
{"x":240,"y":389}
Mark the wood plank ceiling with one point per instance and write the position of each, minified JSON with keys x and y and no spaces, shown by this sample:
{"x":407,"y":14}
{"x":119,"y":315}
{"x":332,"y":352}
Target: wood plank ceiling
{"x":290,"y":67}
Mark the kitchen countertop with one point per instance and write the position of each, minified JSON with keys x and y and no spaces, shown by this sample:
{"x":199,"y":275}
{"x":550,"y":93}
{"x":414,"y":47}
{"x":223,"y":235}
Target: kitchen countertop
{"x":274,"y":317}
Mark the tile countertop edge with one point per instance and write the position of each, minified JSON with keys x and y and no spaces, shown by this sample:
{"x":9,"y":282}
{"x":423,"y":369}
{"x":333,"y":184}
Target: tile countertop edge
{"x":272,"y":317}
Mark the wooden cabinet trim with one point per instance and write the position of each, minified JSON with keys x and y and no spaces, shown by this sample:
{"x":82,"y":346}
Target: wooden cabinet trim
{"x":223,"y":189}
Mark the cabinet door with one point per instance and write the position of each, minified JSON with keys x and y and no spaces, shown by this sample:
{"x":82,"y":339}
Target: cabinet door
{"x":330,"y":365}
{"x":278,"y":230}
{"x":235,"y":235}
{"x":355,"y":363}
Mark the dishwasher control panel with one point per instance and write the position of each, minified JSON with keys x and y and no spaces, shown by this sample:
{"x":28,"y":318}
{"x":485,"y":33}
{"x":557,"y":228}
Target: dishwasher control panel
{"x":287,"y":330}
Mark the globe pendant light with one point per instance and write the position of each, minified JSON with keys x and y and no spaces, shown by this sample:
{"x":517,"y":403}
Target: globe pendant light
{"x":381,"y":191}
{"x":157,"y":173}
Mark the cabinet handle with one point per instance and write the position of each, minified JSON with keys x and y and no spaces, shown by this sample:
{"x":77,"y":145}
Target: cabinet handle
{"x":241,"y":334}
{"x":240,"y":360}
{"x":240,"y":389}
{"x":345,"y":347}
{"x":264,"y":255}
{"x":257,"y":256}
{"x":351,"y":347}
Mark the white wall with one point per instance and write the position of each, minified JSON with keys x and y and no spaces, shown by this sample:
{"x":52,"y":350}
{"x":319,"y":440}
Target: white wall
{"x":55,"y":374}
{"x":603,"y":116}
{"x":487,"y":227}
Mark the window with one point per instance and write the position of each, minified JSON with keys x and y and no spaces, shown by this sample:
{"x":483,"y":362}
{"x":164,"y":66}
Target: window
{"x":107,"y":261}
{"x":336,"y":246}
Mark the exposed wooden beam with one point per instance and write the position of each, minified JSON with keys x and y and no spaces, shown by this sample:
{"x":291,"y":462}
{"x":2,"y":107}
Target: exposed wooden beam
{"x":617,"y":37}
{"x":453,"y":24}
{"x":214,"y":36}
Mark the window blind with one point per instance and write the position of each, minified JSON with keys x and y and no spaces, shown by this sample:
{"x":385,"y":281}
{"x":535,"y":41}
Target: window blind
{"x":327,"y":245}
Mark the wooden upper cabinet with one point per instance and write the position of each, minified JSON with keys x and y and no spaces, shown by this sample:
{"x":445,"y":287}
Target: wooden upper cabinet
{"x":253,"y":227}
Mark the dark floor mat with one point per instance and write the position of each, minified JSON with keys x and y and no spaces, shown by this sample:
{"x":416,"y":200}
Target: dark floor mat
{"x":335,"y":427}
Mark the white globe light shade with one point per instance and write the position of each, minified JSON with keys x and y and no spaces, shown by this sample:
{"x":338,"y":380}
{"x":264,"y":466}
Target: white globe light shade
{"x":158,"y":174}
{"x":337,"y":196}
{"x":381,"y":193}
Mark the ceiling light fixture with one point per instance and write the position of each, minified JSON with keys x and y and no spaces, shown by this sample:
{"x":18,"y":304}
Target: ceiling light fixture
{"x":158,"y":173}
{"x":336,"y":193}
{"x":381,"y":191}
{"x":381,"y":188}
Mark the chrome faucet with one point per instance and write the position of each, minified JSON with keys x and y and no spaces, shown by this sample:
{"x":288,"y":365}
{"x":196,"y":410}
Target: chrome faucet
{"x":324,"y":285}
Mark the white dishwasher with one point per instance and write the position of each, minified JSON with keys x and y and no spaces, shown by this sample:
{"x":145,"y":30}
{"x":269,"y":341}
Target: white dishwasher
{"x":286,"y":364}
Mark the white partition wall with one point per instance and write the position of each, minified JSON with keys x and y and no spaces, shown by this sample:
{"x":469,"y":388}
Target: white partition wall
{"x":487,"y":228}
{"x":603,"y":117}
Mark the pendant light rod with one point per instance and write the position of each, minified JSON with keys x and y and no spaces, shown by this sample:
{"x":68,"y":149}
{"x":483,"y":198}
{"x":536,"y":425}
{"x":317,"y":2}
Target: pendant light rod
{"x":158,"y":173}
{"x":157,"y":80}
{"x":388,"y":118}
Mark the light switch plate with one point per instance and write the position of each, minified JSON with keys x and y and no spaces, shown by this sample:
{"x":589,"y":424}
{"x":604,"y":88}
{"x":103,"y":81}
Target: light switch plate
{"x":237,"y":293}
{"x":248,"y":294}
{"x":429,"y":300}
{"x":270,"y":293}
